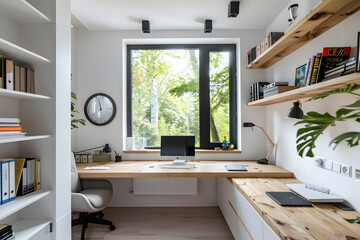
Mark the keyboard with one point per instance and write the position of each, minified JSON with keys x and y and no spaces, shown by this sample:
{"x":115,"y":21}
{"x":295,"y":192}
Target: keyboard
{"x":176,"y":166}
{"x":96,"y":168}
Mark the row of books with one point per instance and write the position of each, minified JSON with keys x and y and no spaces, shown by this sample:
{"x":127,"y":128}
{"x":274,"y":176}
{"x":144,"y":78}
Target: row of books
{"x":11,"y":127}
{"x":89,"y":158}
{"x":260,"y":48}
{"x":340,"y":69}
{"x":6,"y":232}
{"x":16,"y":77}
{"x":18,"y":177}
{"x":320,"y":67}
{"x":257,"y":90}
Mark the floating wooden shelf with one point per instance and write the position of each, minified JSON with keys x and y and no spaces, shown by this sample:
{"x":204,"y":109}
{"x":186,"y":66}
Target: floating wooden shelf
{"x":309,"y":91}
{"x":4,"y":93}
{"x":21,"y":139}
{"x":22,"y":12}
{"x":323,"y":17}
{"x":20,"y":202}
{"x":12,"y":50}
{"x":26,"y":229}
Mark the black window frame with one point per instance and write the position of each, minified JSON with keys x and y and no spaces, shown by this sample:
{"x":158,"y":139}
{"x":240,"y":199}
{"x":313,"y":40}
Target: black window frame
{"x":204,"y":88}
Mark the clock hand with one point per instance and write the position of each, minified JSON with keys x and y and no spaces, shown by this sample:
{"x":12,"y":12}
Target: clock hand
{"x":100,"y":105}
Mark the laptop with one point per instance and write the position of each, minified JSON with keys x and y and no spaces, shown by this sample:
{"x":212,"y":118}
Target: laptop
{"x":288,"y":199}
{"x":235,"y":167}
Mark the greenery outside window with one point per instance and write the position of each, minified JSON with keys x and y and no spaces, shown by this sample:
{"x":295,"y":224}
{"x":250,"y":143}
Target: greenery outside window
{"x":182,"y":90}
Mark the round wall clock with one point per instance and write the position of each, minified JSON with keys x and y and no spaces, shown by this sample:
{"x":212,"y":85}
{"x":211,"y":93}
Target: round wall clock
{"x":100,"y":109}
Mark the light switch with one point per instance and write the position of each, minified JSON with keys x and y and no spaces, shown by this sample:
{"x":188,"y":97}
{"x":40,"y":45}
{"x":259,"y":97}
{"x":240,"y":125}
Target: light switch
{"x":337,"y":167}
{"x":329,"y":164}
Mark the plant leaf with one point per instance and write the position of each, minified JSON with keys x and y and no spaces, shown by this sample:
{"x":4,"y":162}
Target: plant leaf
{"x":352,"y":139}
{"x":348,"y":89}
{"x":354,"y":105}
{"x":352,"y":221}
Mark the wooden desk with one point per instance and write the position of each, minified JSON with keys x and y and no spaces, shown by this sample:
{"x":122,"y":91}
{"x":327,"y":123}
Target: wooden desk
{"x":133,"y":169}
{"x":323,"y":221}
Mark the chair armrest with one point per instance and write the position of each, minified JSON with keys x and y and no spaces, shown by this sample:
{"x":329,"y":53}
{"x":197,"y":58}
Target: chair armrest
{"x":96,"y":184}
{"x":80,"y":203}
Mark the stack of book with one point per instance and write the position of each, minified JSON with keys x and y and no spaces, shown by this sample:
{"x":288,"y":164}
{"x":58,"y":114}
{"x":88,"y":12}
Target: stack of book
{"x":257,"y":90}
{"x":11,"y":127}
{"x":340,"y":69}
{"x":260,"y":48}
{"x":6,"y":232}
{"x":15,"y":77}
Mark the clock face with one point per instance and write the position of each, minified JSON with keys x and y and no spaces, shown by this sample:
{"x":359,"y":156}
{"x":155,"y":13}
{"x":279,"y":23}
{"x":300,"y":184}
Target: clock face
{"x":100,"y":109}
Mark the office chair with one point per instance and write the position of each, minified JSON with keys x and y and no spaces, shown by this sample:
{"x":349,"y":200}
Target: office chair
{"x":89,"y":197}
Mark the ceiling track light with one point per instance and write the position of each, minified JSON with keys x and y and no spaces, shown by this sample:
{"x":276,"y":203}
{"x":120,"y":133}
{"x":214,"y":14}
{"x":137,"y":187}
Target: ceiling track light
{"x":233,"y":9}
{"x":146,"y":26}
{"x":208,"y":26}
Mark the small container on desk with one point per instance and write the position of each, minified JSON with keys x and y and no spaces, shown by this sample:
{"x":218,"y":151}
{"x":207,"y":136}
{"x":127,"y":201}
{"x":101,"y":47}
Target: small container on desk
{"x":118,"y":158}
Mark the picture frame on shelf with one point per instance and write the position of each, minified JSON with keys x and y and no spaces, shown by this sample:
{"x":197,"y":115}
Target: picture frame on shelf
{"x":358,"y":53}
{"x":300,"y":76}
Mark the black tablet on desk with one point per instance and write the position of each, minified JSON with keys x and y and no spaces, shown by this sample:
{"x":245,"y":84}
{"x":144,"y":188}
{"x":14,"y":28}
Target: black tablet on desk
{"x":235,"y":167}
{"x":288,"y":199}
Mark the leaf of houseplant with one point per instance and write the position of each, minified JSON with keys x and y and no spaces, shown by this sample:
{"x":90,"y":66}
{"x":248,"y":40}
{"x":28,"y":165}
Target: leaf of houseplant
{"x":348,"y":89}
{"x":352,"y":139}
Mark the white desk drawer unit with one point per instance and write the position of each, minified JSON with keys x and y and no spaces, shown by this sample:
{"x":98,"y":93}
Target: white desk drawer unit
{"x":244,"y":222}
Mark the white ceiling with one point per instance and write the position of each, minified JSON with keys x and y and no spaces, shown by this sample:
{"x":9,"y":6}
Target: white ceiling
{"x":103,"y":15}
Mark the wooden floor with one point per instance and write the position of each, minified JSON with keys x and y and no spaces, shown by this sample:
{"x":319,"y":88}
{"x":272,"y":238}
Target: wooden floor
{"x":205,"y":223}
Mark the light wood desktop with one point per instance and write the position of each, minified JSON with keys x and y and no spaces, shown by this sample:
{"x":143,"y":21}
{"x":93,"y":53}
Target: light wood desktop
{"x":133,"y":169}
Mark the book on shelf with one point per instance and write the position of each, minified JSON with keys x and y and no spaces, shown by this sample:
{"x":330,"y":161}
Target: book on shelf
{"x":315,"y":69}
{"x":2,"y":84}
{"x":6,"y":232}
{"x":257,"y":90}
{"x":9,"y":74}
{"x":17,"y":79}
{"x":10,"y":120}
{"x":309,"y":69}
{"x":329,"y":58}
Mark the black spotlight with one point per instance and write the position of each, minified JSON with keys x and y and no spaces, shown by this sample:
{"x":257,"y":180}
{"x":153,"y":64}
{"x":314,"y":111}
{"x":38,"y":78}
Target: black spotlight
{"x":145,"y":26}
{"x":233,"y":9}
{"x":208,"y":26}
{"x":295,"y":111}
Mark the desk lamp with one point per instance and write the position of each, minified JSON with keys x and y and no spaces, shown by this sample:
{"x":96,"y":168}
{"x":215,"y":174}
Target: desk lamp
{"x":263,"y":160}
{"x":106,"y":149}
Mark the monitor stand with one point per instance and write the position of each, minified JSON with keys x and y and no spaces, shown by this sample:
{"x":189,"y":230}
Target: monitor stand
{"x":179,"y":161}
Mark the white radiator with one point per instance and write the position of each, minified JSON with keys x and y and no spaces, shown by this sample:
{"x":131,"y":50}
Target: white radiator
{"x":165,"y":186}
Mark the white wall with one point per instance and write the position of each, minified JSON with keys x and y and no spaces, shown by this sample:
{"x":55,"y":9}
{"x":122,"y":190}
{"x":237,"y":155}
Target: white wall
{"x":283,"y":131}
{"x":99,"y":61}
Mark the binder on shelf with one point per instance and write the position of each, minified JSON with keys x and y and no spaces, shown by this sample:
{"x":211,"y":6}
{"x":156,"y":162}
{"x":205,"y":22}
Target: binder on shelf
{"x":4,"y":166}
{"x":12,"y":179}
{"x":30,"y":175}
{"x":17,"y":77}
{"x":38,"y":178}
{"x":9,"y":74}
{"x":1,"y":72}
{"x":19,"y":165}
{"x":22,"y":190}
{"x":23,"y":79}
{"x":30,"y":80}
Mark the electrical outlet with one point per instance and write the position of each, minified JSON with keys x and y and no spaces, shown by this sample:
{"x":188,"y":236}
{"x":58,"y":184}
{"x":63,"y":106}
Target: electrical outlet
{"x":320,"y":162}
{"x":346,"y":170}
{"x":328,"y":164}
{"x":337,"y":167}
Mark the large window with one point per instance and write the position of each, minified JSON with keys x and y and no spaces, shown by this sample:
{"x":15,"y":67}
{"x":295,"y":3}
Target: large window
{"x":182,"y":90}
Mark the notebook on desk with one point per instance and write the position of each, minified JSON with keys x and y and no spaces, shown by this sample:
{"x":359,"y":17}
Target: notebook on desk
{"x":235,"y":167}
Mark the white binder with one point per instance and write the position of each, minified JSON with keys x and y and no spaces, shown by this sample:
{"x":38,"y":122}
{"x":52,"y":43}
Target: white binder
{"x":12,"y":179}
{"x":4,"y":181}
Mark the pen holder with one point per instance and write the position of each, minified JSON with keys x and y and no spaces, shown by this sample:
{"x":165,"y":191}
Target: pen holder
{"x":118,"y":158}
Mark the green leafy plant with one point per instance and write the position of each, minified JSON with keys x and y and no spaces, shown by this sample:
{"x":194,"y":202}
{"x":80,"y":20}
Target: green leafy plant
{"x":75,"y":121}
{"x":316,"y":123}
{"x":352,"y":221}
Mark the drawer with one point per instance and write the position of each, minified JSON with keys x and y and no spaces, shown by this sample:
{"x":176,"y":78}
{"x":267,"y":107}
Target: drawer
{"x":250,"y":219}
{"x":268,"y":233}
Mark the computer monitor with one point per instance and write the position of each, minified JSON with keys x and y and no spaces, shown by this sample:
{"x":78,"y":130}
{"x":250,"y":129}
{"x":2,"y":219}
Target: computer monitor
{"x":177,"y":146}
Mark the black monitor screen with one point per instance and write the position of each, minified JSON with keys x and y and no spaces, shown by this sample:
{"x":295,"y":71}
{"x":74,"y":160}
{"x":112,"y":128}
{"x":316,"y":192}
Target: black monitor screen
{"x":177,"y":146}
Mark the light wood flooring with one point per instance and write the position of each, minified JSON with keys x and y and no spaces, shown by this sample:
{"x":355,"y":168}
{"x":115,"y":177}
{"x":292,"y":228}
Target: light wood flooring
{"x":185,"y":223}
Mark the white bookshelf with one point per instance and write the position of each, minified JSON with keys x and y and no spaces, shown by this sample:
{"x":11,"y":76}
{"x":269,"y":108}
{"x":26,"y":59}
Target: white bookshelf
{"x":21,"y":139}
{"x":22,"y":12}
{"x":20,"y":202}
{"x":30,"y":27}
{"x":26,"y":229}
{"x":12,"y":50}
{"x":4,"y":93}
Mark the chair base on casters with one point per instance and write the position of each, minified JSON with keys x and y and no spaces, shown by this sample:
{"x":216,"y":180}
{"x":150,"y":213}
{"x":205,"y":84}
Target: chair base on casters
{"x":86,"y":218}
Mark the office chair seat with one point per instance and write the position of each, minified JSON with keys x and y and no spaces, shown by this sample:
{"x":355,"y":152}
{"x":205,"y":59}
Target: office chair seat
{"x":98,"y":198}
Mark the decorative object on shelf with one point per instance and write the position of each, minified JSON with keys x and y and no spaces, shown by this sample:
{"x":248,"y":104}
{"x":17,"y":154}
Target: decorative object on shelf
{"x":293,"y":13}
{"x":300,"y":76}
{"x":106,"y":149}
{"x":316,"y":123}
{"x":257,"y":90}
{"x":358,"y":54}
{"x":100,"y":109}
{"x":225,"y":144}
{"x":263,"y":160}
{"x":296,"y":111}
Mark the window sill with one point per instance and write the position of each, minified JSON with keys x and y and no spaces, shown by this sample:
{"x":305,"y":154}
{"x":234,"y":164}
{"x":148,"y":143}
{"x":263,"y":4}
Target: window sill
{"x":197,"y":151}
